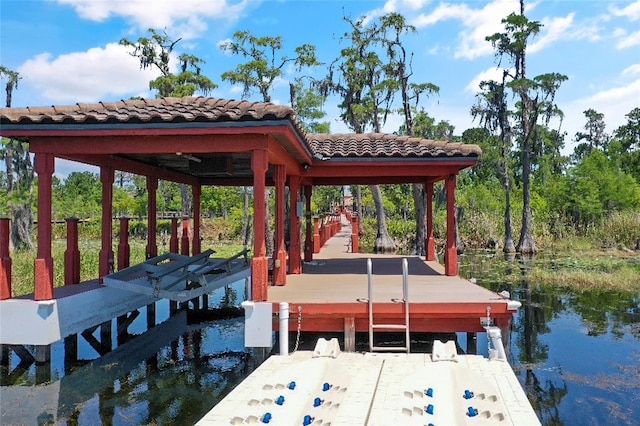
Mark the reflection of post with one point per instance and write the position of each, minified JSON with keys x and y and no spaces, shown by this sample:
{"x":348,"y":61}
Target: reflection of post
{"x":106,"y":409}
{"x":70,"y":352}
{"x":43,"y":364}
{"x":472,"y":343}
{"x":151,"y":315}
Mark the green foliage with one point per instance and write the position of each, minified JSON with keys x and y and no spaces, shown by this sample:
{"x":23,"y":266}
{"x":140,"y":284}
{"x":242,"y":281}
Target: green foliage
{"x":155,"y":52}
{"x":263,"y":65}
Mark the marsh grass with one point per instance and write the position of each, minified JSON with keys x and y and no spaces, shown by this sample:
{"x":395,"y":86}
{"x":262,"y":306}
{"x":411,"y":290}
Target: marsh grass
{"x":585,"y":270}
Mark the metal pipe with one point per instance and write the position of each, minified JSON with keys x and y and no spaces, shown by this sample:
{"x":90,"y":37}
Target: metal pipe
{"x":284,"y":328}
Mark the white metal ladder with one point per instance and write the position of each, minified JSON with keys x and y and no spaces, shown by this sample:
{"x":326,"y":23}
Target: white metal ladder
{"x":405,"y":300}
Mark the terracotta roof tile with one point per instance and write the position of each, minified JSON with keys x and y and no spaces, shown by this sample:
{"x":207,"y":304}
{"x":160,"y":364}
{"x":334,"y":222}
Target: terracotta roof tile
{"x":150,"y":110}
{"x":205,"y":109}
{"x":385,"y":145}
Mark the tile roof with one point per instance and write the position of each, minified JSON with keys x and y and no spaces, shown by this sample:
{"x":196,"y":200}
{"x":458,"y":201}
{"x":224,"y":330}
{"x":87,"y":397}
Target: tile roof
{"x":385,"y":145}
{"x":186,"y":109}
{"x":205,"y":109}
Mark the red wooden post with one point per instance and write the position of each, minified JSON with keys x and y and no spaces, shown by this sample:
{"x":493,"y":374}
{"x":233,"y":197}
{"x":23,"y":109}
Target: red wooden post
{"x":185,"y":237}
{"x":106,"y":251}
{"x":5,"y":260}
{"x":430,"y":242}
{"x":43,"y":264}
{"x":355,"y":235}
{"x":72,"y":254}
{"x":196,"y":243}
{"x":279,"y":253}
{"x":308,"y":239}
{"x":295,"y":258}
{"x":451,"y":261}
{"x":124,"y":250}
{"x":173,"y":240}
{"x":259,"y":263}
{"x":317,"y":243}
{"x":152,"y":223}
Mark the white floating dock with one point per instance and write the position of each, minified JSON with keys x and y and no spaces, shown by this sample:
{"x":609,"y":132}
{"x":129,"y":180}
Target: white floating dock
{"x":376,"y":389}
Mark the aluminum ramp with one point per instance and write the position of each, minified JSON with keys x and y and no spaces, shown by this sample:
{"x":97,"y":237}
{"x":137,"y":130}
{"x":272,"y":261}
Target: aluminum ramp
{"x":181,"y":278}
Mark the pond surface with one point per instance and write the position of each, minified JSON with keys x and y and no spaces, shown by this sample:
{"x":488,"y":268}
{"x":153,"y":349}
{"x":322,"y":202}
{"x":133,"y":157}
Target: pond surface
{"x":576,"y":355}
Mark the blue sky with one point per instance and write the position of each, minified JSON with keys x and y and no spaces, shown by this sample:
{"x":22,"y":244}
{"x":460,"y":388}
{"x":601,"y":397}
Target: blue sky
{"x":67,"y":50}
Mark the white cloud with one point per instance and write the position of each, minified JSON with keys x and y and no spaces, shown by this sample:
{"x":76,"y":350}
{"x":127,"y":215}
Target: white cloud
{"x":477,"y":24}
{"x":631,"y":71}
{"x":184,"y":18}
{"x":614,"y":103}
{"x":492,"y":73}
{"x":97,"y":74}
{"x":555,"y":29}
{"x":627,"y":40}
{"x":632,"y":11}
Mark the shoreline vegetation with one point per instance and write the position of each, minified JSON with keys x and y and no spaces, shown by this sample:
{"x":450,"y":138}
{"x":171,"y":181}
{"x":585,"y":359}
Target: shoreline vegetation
{"x":574,"y":263}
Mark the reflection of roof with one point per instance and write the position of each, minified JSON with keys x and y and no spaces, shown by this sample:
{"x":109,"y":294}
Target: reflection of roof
{"x":196,"y":111}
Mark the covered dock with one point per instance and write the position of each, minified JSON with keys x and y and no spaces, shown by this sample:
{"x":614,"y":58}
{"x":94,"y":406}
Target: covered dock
{"x":198,"y":141}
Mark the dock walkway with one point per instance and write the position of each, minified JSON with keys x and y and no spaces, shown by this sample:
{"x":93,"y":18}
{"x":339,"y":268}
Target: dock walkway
{"x":333,"y":286}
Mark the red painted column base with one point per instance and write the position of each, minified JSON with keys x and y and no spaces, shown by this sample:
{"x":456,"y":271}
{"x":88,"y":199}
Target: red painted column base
{"x":431,"y":248}
{"x":43,"y":269}
{"x":5,"y":278}
{"x":259,"y":278}
{"x":280,"y":272}
{"x":451,"y":262}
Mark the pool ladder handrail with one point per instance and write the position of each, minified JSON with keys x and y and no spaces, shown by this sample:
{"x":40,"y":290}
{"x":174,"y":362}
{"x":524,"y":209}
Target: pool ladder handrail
{"x":405,"y":299}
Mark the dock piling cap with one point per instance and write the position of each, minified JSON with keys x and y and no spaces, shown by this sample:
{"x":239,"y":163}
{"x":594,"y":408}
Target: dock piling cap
{"x":326,"y":348}
{"x":444,"y":351}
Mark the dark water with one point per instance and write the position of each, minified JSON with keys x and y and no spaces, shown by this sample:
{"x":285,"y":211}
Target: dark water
{"x":576,"y":355}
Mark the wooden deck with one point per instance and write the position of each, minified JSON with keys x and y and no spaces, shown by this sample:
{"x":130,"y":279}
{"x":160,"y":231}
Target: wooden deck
{"x":332,"y":292}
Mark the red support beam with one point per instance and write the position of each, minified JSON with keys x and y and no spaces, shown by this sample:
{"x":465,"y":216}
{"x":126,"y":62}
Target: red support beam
{"x":72,"y":254}
{"x":317,"y":243}
{"x":355,"y":234}
{"x":43,"y":264}
{"x":124,"y":250}
{"x":430,"y":242}
{"x":5,"y":260}
{"x":259,"y":263}
{"x":184,"y":240}
{"x":295,"y":259}
{"x":196,"y":243}
{"x":152,"y":212}
{"x":280,"y":253}
{"x":106,"y":251}
{"x":308,"y":239}
{"x":451,"y":257}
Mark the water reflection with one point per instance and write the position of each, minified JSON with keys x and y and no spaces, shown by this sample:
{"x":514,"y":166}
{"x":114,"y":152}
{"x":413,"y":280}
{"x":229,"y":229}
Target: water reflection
{"x":576,"y":353}
{"x":172,"y":374}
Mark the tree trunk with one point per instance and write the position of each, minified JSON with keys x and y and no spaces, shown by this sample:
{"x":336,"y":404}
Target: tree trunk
{"x":359,"y":202}
{"x":245,"y":218}
{"x":268,"y":234}
{"x":384,"y":244}
{"x":420,"y":201}
{"x":509,"y":246}
{"x":21,"y":227}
